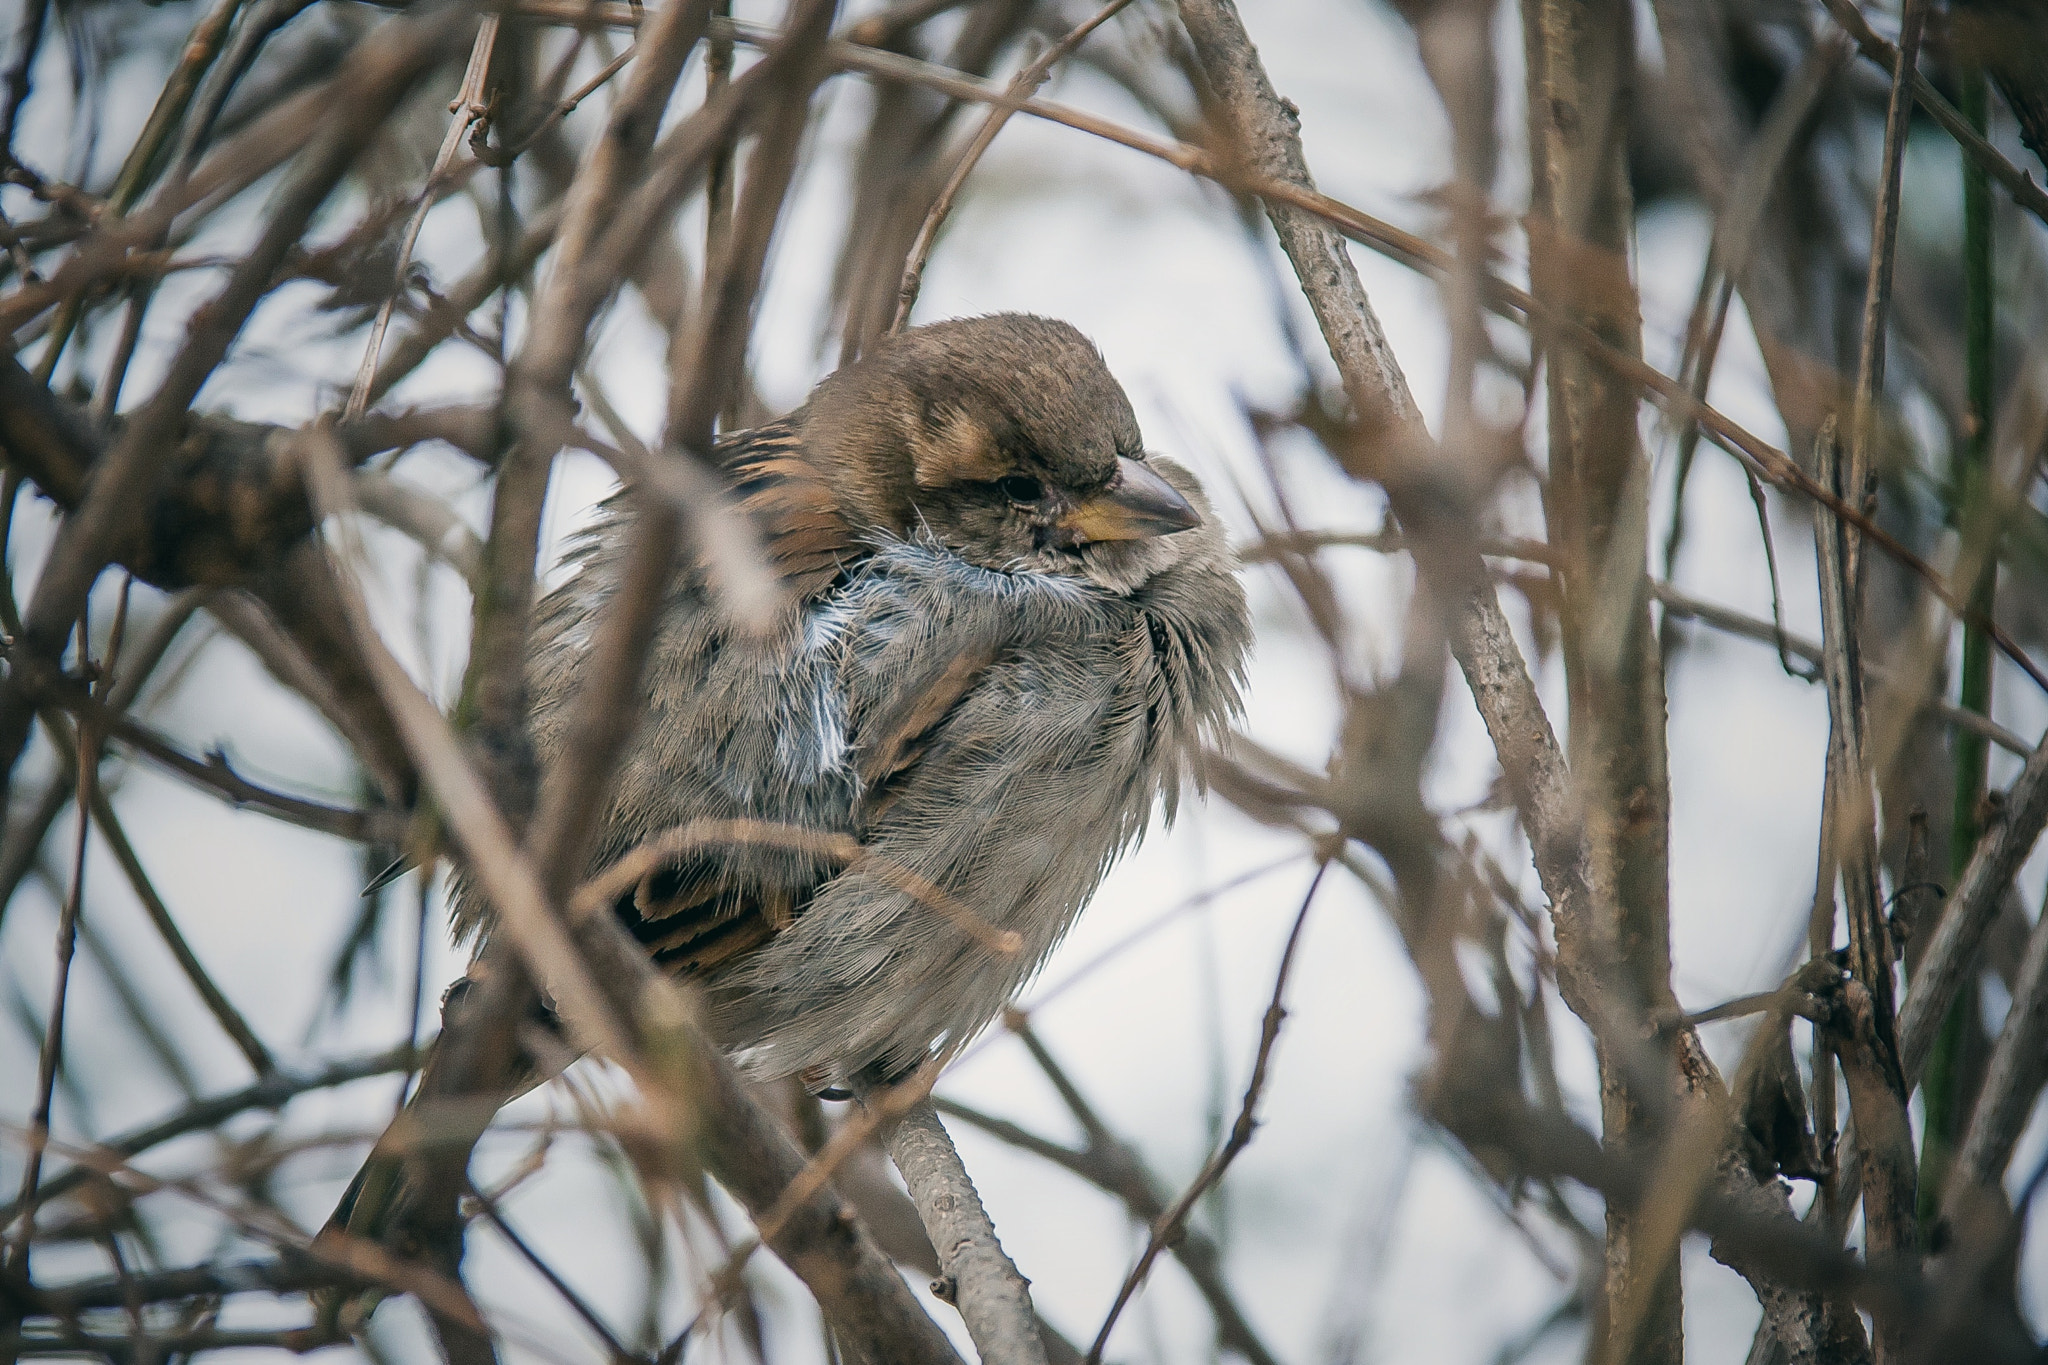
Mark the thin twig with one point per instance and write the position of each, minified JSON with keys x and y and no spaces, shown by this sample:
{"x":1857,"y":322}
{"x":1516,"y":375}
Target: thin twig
{"x":145,"y":156}
{"x":229,"y":1018}
{"x":1114,"y":1166}
{"x":352,"y":1255}
{"x":1169,"y":1223}
{"x":225,"y":1014}
{"x":272,"y":1092}
{"x":44,"y":684}
{"x":25,"y":836}
{"x":85,"y":774}
{"x":1859,"y":470}
{"x":583,"y":1310}
{"x":1023,"y":85}
{"x":376,"y":74}
{"x":2025,"y":192}
{"x":467,"y":108}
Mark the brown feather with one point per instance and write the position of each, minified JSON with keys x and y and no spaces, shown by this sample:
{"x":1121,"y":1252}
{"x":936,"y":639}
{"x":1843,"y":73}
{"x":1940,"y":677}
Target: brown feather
{"x":806,"y":534}
{"x":689,"y":919}
{"x":899,"y":735}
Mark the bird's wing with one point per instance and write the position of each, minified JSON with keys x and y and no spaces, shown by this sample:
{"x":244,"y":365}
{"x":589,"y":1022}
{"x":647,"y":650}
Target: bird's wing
{"x":1001,"y":765}
{"x":699,"y":911}
{"x":896,"y":738}
{"x":807,"y":537}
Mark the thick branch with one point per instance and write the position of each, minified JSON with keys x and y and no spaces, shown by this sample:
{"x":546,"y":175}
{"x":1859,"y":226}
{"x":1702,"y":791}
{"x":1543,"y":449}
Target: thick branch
{"x":1269,"y":141}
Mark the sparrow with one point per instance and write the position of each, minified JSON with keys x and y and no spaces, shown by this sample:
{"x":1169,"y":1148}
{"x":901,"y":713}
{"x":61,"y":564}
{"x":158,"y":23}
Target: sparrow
{"x":1009,"y":633}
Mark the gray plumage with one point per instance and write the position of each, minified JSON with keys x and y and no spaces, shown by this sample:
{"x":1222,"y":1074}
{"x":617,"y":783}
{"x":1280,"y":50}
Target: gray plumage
{"x":989,"y":701}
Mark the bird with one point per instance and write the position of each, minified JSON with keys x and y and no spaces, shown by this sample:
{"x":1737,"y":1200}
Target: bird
{"x":1009,"y":633}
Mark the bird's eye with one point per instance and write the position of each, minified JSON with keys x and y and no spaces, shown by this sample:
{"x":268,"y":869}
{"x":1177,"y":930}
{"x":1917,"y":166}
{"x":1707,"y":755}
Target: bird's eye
{"x":1021,"y":488}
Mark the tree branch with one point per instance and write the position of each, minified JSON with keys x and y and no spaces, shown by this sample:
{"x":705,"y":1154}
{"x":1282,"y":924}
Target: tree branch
{"x":977,"y":1275}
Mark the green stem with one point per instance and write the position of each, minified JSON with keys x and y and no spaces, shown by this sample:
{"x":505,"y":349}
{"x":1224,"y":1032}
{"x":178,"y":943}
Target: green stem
{"x":1942,"y":1085}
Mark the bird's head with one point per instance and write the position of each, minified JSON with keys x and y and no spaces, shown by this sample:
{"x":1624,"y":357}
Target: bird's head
{"x":1007,"y":439}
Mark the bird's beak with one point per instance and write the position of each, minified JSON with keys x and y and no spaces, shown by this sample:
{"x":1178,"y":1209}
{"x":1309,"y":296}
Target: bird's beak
{"x":1137,"y":504}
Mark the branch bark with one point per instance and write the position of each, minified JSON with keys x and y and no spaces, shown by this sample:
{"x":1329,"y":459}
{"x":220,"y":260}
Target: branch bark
{"x":978,"y":1276}
{"x":1268,"y":142}
{"x":1581,"y":61}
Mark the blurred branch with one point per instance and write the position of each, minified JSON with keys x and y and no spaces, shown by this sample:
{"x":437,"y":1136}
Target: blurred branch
{"x":236,"y":518}
{"x":477,"y":1062}
{"x":43,"y":684}
{"x":50,"y":1056}
{"x":1764,"y":460}
{"x":1951,"y":954}
{"x":1482,"y":640}
{"x":707,"y":361}
{"x":2012,"y":1079}
{"x":981,"y":1280}
{"x":114,"y":507}
{"x":440,"y":531}
{"x":271,"y":1091}
{"x":263,"y":1223}
{"x":2017,"y":182}
{"x":1951,"y":951}
{"x":231,"y":510}
{"x":1789,"y":1262}
{"x":1884,"y":1140}
{"x":900,"y":164}
{"x":1866,"y":1048}
{"x":445,"y":312}
{"x":282,"y":1275}
{"x":1973,"y":495}
{"x":1767,"y":462}
{"x":296,"y":1340}
{"x":146,"y":155}
{"x":1749,"y":249}
{"x":28,"y":43}
{"x":1022,"y":86}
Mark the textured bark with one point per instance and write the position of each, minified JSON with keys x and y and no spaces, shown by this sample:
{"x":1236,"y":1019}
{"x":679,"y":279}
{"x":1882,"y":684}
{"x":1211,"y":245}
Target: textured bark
{"x":978,"y":1275}
{"x":1581,"y":57}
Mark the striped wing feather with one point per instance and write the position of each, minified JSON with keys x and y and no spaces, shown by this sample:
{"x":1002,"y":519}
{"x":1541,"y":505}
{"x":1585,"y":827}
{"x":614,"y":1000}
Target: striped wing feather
{"x":690,"y":918}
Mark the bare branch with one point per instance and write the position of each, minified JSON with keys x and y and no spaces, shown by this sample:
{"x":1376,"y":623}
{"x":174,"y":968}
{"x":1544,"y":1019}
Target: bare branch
{"x":979,"y":1277}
